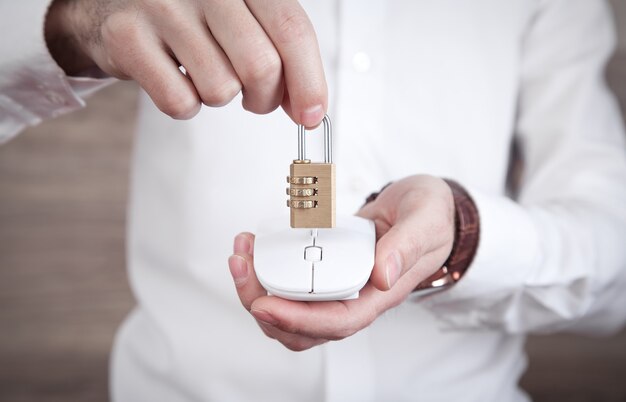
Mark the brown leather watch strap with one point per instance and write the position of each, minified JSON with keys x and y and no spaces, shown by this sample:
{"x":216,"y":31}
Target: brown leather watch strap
{"x":466,"y":237}
{"x":467,"y":231}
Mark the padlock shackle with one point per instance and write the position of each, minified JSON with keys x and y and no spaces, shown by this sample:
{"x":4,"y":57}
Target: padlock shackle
{"x":328,"y":141}
{"x":301,"y":143}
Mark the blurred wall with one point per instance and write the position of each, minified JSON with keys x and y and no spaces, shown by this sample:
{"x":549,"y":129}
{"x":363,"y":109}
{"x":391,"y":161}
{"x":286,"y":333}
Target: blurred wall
{"x":619,"y":9}
{"x":63,"y":287}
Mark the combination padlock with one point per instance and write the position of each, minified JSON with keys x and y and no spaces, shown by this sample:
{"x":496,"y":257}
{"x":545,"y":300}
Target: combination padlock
{"x":312,"y":185}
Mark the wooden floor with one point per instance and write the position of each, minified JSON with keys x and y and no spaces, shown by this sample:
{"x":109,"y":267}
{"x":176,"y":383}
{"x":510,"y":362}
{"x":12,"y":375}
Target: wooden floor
{"x":63,"y":289}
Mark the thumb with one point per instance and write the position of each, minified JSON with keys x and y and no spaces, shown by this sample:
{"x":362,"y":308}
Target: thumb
{"x":397,"y":251}
{"x":413,"y":217}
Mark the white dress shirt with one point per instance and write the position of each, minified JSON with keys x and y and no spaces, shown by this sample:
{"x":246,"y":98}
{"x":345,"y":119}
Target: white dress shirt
{"x":437,"y":87}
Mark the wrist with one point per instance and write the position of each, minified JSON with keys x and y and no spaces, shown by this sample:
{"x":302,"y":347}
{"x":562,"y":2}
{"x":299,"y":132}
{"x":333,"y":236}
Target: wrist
{"x":62,"y":37}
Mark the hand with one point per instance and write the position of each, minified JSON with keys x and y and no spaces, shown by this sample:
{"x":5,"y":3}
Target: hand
{"x":414,"y":220}
{"x":265,"y":48}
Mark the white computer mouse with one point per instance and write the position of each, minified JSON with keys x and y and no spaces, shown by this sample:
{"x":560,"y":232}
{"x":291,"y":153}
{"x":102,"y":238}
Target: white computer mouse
{"x":315,"y":264}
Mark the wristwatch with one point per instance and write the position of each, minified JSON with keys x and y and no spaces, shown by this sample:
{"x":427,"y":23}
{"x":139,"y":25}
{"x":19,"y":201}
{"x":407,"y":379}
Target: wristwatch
{"x":466,"y":237}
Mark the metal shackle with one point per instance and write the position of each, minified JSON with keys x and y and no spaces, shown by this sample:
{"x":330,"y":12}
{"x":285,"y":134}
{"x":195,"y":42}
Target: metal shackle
{"x":328,"y":139}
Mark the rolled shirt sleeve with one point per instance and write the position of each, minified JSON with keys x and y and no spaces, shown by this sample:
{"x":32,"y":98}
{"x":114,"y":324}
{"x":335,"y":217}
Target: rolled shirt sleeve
{"x":555,"y":258}
{"x":32,"y":86}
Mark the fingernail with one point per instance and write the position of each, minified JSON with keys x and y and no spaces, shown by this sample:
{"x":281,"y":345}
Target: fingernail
{"x":264,"y":317}
{"x":393,"y":268}
{"x":312,"y":116}
{"x":238,"y":269}
{"x":242,"y":244}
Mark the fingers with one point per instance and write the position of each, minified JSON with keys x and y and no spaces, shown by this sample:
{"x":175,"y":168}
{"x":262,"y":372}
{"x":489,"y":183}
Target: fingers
{"x":249,"y":289}
{"x":294,"y":342}
{"x":320,"y":320}
{"x":251,"y":52}
{"x":205,"y":62}
{"x":301,"y":325}
{"x":134,"y":52}
{"x":242,"y":269}
{"x":266,"y":49}
{"x":292,"y":34}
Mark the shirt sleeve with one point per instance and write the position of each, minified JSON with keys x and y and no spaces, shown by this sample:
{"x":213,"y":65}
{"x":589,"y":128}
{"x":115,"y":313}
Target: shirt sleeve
{"x":555,"y":258}
{"x":32,"y":86}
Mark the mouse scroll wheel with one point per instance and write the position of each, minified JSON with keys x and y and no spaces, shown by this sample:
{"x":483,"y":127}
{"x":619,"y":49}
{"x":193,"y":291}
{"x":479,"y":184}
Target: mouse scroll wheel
{"x":313,"y":253}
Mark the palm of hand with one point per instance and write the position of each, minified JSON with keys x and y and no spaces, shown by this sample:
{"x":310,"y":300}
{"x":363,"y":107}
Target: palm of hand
{"x":414,"y":220}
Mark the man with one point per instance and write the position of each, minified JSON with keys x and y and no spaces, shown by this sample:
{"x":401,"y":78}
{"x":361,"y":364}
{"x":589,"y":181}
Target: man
{"x":442,"y":89}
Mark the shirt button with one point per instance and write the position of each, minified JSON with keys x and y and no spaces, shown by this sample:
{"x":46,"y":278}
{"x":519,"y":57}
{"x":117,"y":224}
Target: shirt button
{"x":361,"y":62}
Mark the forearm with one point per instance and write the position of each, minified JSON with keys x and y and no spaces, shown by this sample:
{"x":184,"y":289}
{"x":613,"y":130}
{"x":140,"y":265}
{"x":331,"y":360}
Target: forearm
{"x":554,"y":257}
{"x":541,"y":267}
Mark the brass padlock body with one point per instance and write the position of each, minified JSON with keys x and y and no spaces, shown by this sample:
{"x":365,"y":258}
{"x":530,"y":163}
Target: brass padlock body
{"x":320,"y":213}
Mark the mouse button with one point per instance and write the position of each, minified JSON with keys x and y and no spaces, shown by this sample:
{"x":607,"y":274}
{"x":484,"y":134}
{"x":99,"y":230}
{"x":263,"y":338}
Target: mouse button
{"x":292,"y":277}
{"x":355,"y":224}
{"x":282,"y":241}
{"x":338,"y":277}
{"x":348,"y":262}
{"x":340,"y":238}
{"x":278,"y":261}
{"x":284,"y":272}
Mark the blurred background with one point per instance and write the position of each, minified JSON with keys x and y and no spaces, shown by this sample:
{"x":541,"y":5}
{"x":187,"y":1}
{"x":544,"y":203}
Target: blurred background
{"x":63,"y":287}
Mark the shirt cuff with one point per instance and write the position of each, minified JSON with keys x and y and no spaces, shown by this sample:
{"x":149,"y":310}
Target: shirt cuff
{"x":32,"y":86}
{"x":507,"y":252}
